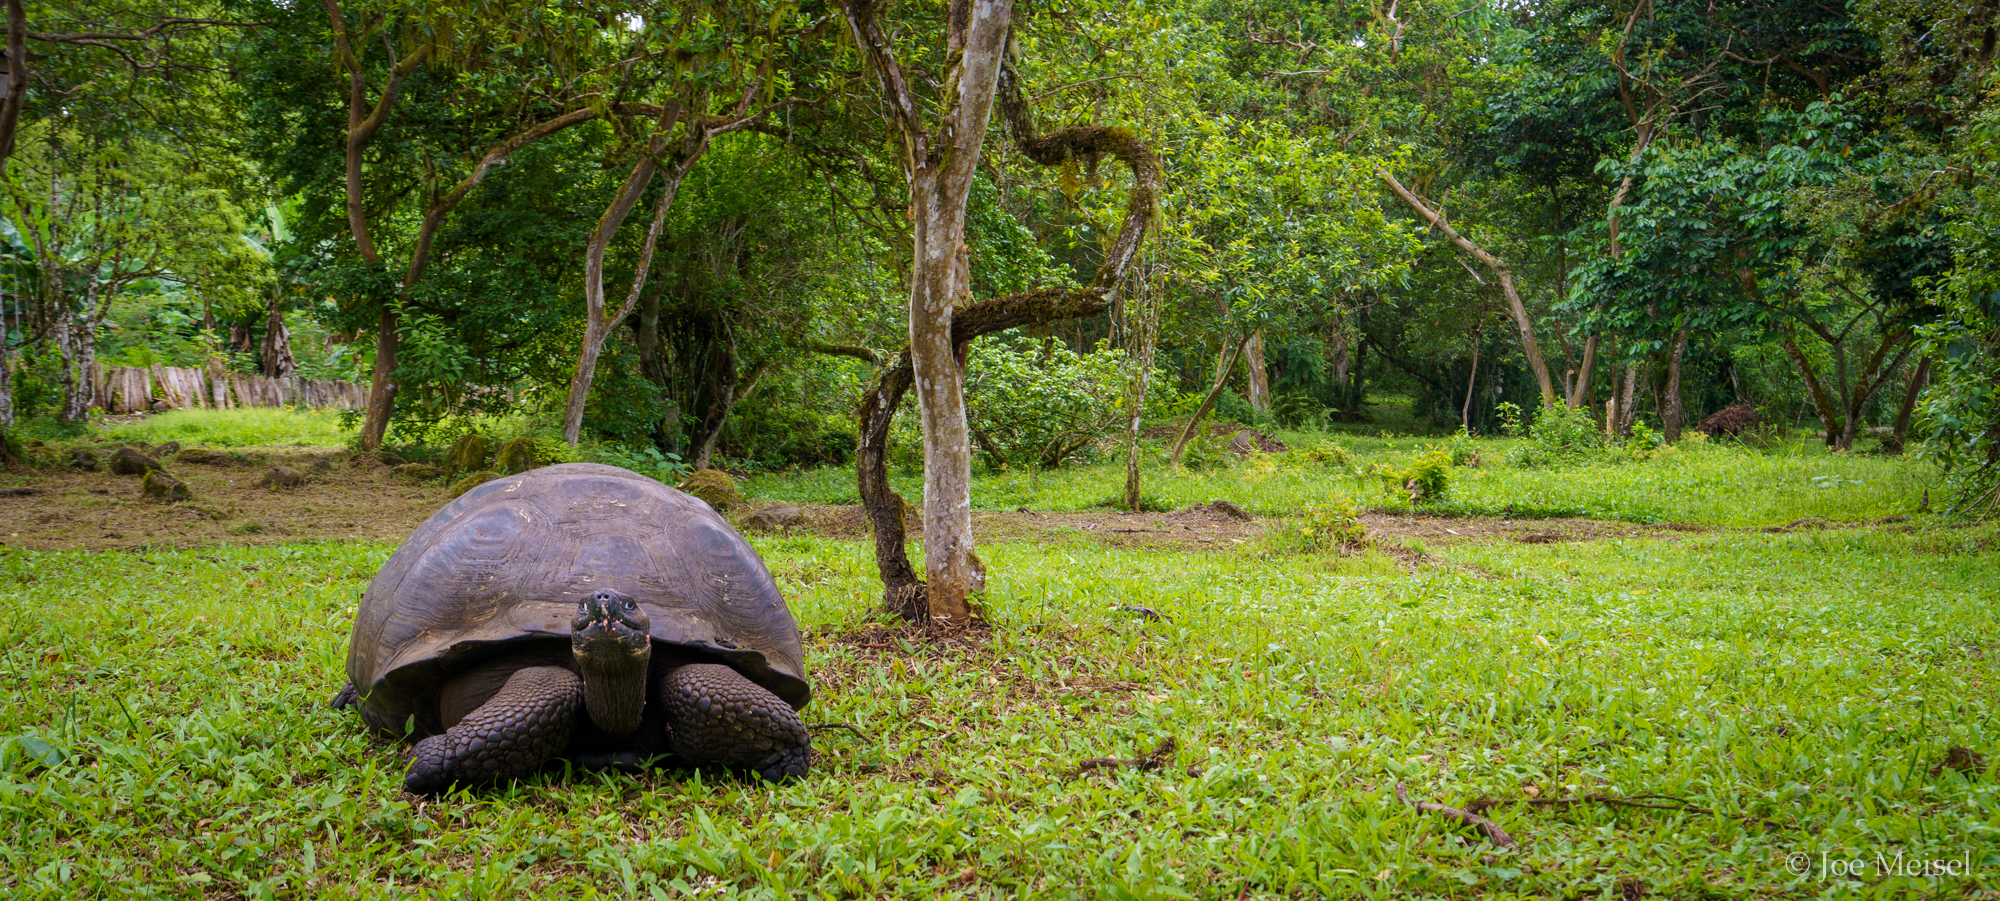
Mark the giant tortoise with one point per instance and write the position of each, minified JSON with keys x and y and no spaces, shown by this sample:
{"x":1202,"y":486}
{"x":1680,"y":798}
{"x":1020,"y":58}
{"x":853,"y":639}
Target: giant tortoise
{"x":583,"y":613}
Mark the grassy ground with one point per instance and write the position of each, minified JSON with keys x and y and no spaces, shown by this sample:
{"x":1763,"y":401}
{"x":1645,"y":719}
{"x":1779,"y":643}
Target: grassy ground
{"x":1807,"y":679}
{"x":249,"y":427}
{"x":1713,"y":485}
{"x":163,"y":728}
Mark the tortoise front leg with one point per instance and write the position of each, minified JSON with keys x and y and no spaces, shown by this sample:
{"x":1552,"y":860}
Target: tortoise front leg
{"x":520,"y":728}
{"x":718,"y":716}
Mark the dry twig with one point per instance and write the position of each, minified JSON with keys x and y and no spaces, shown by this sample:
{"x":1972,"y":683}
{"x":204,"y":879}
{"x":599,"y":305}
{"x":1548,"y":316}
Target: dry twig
{"x":1494,"y":833}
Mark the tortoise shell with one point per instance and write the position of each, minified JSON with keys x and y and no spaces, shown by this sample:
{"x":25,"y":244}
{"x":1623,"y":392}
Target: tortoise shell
{"x":504,"y":566}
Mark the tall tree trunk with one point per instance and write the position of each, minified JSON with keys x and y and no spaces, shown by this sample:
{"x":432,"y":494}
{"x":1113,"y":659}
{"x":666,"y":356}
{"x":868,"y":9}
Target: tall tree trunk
{"x":382,"y":381}
{"x":1529,"y":348}
{"x":1829,"y":412}
{"x":936,"y":170}
{"x":1670,"y":397}
{"x":1579,"y":392}
{"x":940,"y":167}
{"x":1900,"y":438}
{"x":597,"y":325}
{"x":1623,"y":405}
{"x":704,"y":455}
{"x":1471,"y":380}
{"x":1872,"y":378}
{"x":1141,"y":318}
{"x":363,"y":121}
{"x":1259,"y":387}
{"x":699,"y":131}
{"x":276,"y":353}
{"x":1222,"y":371}
{"x":13,"y":78}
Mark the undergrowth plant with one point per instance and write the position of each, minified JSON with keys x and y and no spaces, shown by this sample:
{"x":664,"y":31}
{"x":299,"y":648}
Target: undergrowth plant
{"x":1425,"y":479}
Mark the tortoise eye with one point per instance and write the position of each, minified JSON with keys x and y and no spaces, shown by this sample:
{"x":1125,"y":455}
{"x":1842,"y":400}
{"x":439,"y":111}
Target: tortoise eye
{"x":631,"y":604}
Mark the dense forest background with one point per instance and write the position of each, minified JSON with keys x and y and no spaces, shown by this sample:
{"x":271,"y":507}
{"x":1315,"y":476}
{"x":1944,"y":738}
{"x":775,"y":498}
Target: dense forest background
{"x":683,"y":231}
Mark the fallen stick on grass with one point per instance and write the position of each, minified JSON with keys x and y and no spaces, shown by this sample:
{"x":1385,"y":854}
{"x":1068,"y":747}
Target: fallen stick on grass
{"x":1494,"y":833}
{"x":1160,"y":757}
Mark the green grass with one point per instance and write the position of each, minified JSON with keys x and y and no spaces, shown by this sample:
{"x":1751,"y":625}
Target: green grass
{"x":1810,"y":679}
{"x":252,"y":427}
{"x":1711,"y":485}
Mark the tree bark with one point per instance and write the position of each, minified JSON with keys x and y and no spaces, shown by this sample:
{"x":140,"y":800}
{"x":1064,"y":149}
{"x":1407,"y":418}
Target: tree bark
{"x":1623,"y":405}
{"x":1259,"y":387}
{"x":974,"y":30}
{"x":1471,"y":380}
{"x":704,"y":456}
{"x":597,"y":325}
{"x":1579,"y":393}
{"x":1900,"y":438}
{"x":1529,"y":348}
{"x":1222,"y":370}
{"x":1829,"y":413}
{"x":1670,"y":399}
{"x":940,"y":169}
{"x":14,"y":79}
{"x":1872,"y":379}
{"x":363,"y":121}
{"x":276,"y":353}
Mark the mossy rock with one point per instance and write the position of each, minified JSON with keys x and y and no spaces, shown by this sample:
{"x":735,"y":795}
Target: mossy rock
{"x":206,"y":456}
{"x":468,"y":454}
{"x":374,"y":460}
{"x":516,"y":456}
{"x":130,"y":462}
{"x":282,"y":477}
{"x":162,"y":487}
{"x":473,"y":481}
{"x":713,"y":486}
{"x":418,"y":472}
{"x":167,"y":449}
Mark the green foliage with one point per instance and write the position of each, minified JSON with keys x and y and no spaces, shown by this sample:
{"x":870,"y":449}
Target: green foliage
{"x":1322,"y":455}
{"x":1720,"y":666}
{"x":1561,"y":435}
{"x":241,"y":427}
{"x":1031,"y":404}
{"x":1332,"y":526}
{"x":1298,"y":410}
{"x":646,"y":460}
{"x":1205,"y":451}
{"x":1426,"y":479}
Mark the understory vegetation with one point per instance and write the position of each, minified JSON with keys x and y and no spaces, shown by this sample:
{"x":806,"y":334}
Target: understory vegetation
{"x":1793,"y":692}
{"x":1787,"y":673}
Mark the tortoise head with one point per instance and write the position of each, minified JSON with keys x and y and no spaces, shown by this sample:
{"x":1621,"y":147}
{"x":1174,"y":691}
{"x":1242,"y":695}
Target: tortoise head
{"x":611,"y":632}
{"x":611,"y":638}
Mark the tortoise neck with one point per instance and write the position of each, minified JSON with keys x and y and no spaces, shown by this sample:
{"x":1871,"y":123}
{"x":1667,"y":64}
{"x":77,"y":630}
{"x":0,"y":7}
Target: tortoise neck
{"x":614,"y":689}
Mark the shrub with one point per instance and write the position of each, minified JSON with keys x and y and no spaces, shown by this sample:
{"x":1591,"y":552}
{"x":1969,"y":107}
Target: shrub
{"x":646,"y":460}
{"x":1321,"y":455}
{"x":1206,"y":450}
{"x":516,"y":456}
{"x":1041,"y":404}
{"x":1427,"y":478}
{"x":1298,"y":410}
{"x":713,"y":486}
{"x":1561,"y":434}
{"x":1335,"y":525}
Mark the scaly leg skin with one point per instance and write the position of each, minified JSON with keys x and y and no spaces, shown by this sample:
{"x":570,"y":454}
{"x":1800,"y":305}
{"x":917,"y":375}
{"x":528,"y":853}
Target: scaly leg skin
{"x":348,"y":697}
{"x":718,"y":716}
{"x":525,"y":724}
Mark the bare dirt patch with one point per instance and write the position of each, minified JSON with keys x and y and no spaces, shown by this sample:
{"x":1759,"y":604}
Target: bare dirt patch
{"x":73,"y":510}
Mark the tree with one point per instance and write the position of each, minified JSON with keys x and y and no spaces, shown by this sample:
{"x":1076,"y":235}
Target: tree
{"x":940,"y":165}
